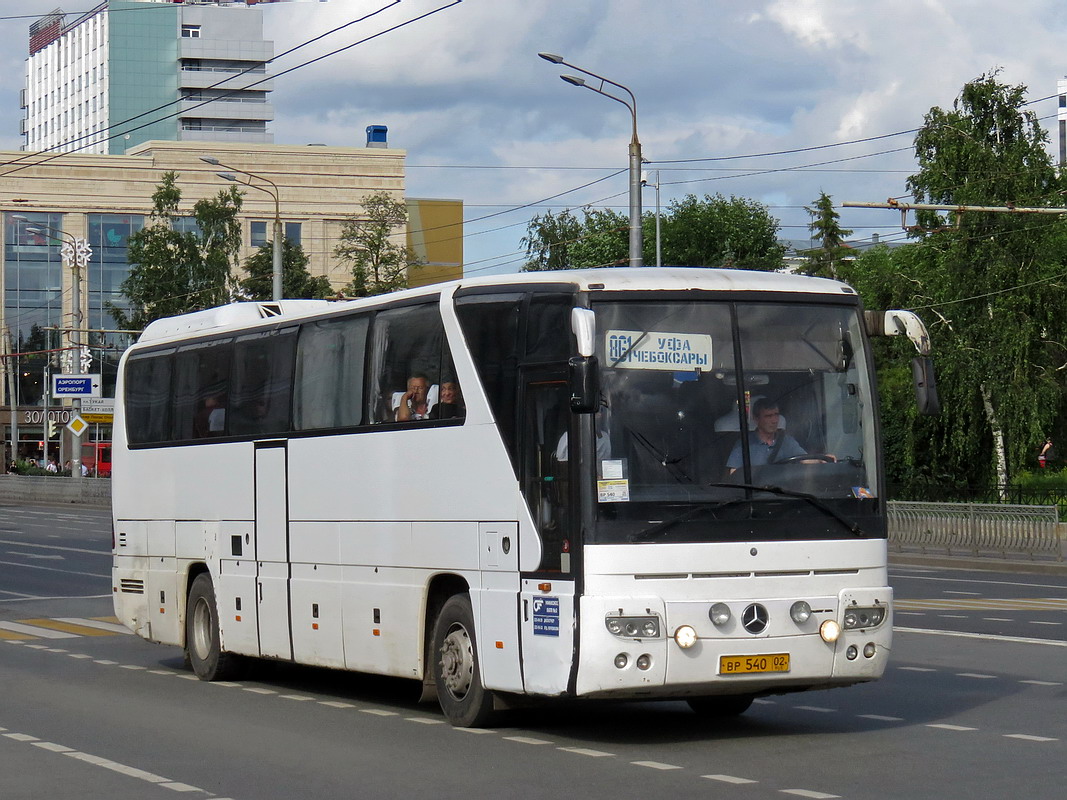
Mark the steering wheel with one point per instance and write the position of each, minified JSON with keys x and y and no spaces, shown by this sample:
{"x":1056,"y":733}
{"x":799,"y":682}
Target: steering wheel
{"x":826,"y":458}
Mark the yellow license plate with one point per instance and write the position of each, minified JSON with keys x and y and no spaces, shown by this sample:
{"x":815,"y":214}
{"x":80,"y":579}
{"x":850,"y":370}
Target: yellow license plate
{"x":747,"y":665}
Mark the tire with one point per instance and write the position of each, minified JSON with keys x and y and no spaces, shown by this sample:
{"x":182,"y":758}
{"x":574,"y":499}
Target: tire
{"x":456,"y":667}
{"x":721,"y":706}
{"x":203,"y":647}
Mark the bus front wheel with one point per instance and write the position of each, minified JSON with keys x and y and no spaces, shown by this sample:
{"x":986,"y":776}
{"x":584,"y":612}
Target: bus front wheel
{"x":203,"y":647}
{"x":456,"y":668}
{"x":727,"y":705}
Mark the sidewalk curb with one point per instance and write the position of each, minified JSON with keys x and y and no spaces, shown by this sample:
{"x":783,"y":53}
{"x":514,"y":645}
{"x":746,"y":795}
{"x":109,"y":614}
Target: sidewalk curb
{"x":977,"y":563}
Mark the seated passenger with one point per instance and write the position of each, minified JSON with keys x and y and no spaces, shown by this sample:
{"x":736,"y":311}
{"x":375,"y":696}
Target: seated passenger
{"x":414,"y":404}
{"x":450,"y":402}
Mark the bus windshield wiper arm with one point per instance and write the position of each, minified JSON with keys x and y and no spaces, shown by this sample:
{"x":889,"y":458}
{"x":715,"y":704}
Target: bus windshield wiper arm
{"x":660,"y":528}
{"x":826,"y":508}
{"x":664,"y":460}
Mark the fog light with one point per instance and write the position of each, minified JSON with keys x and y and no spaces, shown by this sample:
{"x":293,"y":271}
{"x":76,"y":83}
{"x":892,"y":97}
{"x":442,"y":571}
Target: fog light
{"x":830,"y":630}
{"x":614,"y":625}
{"x":869,"y":650}
{"x":650,"y":628}
{"x":621,"y":661}
{"x":685,"y":637}
{"x":719,"y":614}
{"x":631,"y":629}
{"x":851,"y":652}
{"x":858,"y":617}
{"x":800,"y":612}
{"x":644,"y":661}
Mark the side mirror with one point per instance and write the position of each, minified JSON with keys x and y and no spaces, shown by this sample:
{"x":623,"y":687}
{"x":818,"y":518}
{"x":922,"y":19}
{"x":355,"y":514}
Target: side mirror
{"x":585,"y":384}
{"x":922,"y":375}
{"x":583,"y":325}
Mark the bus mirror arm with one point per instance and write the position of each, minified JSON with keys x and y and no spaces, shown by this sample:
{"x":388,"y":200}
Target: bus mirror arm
{"x":896,"y":322}
{"x":585,"y":384}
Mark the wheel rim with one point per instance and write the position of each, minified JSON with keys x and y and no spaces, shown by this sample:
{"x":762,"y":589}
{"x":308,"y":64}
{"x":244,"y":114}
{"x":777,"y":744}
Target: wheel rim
{"x":457,"y":661}
{"x":201,"y":629}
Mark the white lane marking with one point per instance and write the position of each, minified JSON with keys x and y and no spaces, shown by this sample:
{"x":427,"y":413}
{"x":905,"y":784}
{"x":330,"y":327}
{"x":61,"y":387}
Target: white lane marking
{"x":916,"y":669}
{"x":43,"y":633}
{"x":655,"y":765}
{"x":942,"y":579}
{"x":819,"y":709}
{"x":96,"y":623}
{"x":1043,"y":683}
{"x":728,"y":779}
{"x":880,"y":718}
{"x":21,"y":737}
{"x":971,"y":594}
{"x":1029,"y":738}
{"x":181,"y":787}
{"x":296,"y":697}
{"x":54,"y":569}
{"x":952,"y":616}
{"x":997,"y":619}
{"x":583,"y":751}
{"x":527,"y":740}
{"x":809,"y":793}
{"x":985,"y":636}
{"x":58,"y":547}
{"x":51,"y":557}
{"x":947,"y":727}
{"x":762,"y":701}
{"x":226,"y":684}
{"x":132,"y":667}
{"x":58,"y":597}
{"x":1039,"y":622}
{"x":36,"y":646}
{"x":19,"y":594}
{"x":909,"y":613}
{"x":79,"y":655}
{"x":336,"y":704}
{"x":379,"y":712}
{"x":974,"y":675}
{"x":55,"y":748}
{"x":180,"y":675}
{"x":114,"y":766}
{"x":257,"y":690}
{"x":474,"y":730}
{"x":105,"y":662}
{"x":162,"y":672}
{"x":55,"y":650}
{"x":426,"y":720}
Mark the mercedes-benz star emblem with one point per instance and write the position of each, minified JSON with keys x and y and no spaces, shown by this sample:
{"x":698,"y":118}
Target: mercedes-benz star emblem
{"x":755,"y":618}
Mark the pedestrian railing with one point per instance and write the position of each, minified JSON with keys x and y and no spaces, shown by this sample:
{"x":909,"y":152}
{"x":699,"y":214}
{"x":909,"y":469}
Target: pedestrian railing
{"x":977,"y":529}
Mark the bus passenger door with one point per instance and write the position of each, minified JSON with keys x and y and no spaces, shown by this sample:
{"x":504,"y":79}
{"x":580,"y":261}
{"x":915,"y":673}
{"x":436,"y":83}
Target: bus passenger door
{"x":272,"y":550}
{"x":546,"y":599}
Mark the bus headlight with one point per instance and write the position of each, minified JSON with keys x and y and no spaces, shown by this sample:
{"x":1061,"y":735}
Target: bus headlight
{"x":633,"y":627}
{"x":800,"y":612}
{"x":830,"y":630}
{"x":685,"y":637}
{"x":857,"y":617}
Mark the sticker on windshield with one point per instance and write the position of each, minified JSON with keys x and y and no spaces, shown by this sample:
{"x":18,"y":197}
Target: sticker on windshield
{"x":611,"y":468}
{"x":656,"y":350}
{"x":613,"y":491}
{"x":862,"y":491}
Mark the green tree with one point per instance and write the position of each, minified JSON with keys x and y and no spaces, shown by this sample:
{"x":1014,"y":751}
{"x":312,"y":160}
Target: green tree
{"x":826,"y":228}
{"x":990,"y":288}
{"x":173,"y":271}
{"x":379,"y":265}
{"x":721,"y":232}
{"x":562,"y":241}
{"x":297,"y":282}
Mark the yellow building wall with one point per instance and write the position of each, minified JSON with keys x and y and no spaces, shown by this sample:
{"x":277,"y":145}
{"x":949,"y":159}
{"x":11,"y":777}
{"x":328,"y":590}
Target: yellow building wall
{"x":435,"y":235}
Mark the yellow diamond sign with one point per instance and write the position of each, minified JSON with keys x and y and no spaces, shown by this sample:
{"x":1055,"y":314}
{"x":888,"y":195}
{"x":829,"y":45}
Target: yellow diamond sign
{"x":77,"y":425}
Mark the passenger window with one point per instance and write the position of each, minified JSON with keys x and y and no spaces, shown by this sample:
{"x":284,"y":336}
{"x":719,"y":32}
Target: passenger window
{"x":412,"y":377}
{"x":201,"y":390}
{"x":262,"y":377}
{"x":148,"y":396}
{"x":329,"y":373}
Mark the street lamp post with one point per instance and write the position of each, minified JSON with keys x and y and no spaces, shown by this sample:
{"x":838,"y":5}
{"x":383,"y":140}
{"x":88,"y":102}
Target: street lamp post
{"x":76,"y":252}
{"x":276,"y":286}
{"x":636,"y":259}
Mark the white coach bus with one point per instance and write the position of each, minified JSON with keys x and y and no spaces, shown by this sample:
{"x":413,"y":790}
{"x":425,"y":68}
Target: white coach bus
{"x":534,"y":484}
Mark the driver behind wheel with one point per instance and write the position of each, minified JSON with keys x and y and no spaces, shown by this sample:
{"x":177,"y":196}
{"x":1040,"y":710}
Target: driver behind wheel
{"x":766,"y":444}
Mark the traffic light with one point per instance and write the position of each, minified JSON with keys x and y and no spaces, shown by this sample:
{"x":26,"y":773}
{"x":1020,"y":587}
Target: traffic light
{"x":53,"y":428}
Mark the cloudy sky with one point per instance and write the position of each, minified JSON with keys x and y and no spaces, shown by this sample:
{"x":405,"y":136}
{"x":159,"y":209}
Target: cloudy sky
{"x":483,"y":119}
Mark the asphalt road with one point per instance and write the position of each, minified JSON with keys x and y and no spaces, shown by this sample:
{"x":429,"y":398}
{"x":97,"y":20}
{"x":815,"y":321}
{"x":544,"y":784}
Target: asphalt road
{"x":973,"y":706}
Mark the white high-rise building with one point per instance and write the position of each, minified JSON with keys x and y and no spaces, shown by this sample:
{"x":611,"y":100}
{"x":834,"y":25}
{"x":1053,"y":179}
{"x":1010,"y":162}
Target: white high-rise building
{"x":130,"y":71}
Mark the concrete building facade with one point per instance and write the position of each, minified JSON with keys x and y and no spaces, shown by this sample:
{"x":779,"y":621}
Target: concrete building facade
{"x":131,"y":71}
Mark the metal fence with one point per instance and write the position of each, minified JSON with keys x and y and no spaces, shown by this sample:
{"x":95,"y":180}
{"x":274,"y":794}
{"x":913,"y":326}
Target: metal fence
{"x":977,"y":529}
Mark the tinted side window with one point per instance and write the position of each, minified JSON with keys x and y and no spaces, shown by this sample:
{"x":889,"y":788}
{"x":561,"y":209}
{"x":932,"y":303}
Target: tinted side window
{"x":262,"y":382}
{"x":548,"y":328}
{"x":148,"y":397}
{"x":491,"y":327}
{"x":412,"y":369}
{"x":201,"y":390}
{"x":329,"y":373}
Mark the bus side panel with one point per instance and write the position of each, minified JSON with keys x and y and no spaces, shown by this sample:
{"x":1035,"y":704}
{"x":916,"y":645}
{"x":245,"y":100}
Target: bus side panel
{"x":163,"y":601}
{"x":380,"y":614}
{"x":547,"y":636}
{"x":316,"y":610}
{"x":238,"y":613}
{"x":495,"y":605}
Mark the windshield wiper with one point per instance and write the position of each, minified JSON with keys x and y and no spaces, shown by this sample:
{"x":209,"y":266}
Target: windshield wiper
{"x":660,"y":528}
{"x":826,"y":508}
{"x":664,"y":460}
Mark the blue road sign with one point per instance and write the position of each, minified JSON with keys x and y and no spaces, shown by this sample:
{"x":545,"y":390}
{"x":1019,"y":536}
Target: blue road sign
{"x":75,"y":386}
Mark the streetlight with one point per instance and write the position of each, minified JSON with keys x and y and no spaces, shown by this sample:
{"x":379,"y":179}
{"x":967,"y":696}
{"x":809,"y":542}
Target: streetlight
{"x":76,"y":252}
{"x":636,"y":259}
{"x":276,"y":291}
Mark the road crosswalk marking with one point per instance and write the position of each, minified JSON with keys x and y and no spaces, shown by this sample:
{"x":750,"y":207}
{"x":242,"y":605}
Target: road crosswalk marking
{"x":985,"y":604}
{"x":60,"y":628}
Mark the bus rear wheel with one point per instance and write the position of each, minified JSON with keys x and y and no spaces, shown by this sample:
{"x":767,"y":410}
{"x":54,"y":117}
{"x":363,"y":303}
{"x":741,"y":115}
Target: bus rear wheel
{"x":721,"y":706}
{"x":203,"y":645}
{"x":456,"y":668}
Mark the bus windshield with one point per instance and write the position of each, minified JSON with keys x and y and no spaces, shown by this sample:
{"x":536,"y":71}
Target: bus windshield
{"x":734,"y":421}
